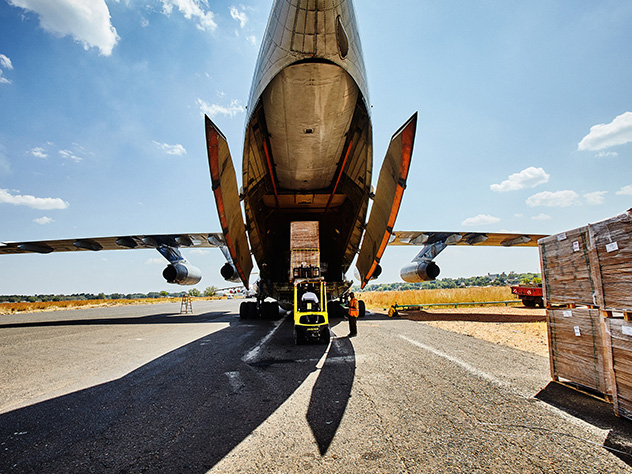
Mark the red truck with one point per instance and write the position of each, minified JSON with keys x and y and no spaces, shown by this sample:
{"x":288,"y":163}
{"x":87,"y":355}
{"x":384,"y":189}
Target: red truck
{"x":530,"y":295}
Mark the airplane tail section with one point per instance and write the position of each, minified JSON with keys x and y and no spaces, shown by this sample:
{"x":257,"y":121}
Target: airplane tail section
{"x":388,"y":197}
{"x":224,"y":184}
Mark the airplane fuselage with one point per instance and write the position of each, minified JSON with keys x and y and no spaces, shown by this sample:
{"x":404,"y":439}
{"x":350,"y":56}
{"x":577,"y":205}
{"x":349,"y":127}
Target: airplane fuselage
{"x":308,"y":140}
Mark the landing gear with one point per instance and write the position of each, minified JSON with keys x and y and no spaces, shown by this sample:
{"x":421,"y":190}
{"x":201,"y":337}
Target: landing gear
{"x":335,"y":309}
{"x":265,"y":310}
{"x":269,"y":310}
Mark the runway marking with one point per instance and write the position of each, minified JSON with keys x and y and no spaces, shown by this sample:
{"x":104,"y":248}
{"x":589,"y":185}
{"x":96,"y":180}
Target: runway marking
{"x":510,"y":388}
{"x":254,"y":352}
{"x":471,"y":369}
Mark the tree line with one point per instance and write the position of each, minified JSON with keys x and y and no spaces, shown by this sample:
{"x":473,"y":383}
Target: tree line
{"x":209,"y":291}
{"x":502,"y":279}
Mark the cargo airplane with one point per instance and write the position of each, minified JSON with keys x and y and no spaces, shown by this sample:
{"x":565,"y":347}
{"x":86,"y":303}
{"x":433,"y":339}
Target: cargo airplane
{"x":308,"y":156}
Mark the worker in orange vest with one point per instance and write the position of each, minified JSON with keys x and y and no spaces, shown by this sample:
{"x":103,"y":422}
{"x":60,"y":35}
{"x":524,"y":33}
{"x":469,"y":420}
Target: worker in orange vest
{"x":354,"y":312}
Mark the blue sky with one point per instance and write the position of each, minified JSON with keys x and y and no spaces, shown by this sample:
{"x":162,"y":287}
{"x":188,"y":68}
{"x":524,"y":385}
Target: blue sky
{"x":525,"y":124}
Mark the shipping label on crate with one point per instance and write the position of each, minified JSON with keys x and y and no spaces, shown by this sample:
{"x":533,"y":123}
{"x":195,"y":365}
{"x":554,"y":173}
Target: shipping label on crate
{"x":567,"y":314}
{"x":576,"y":246}
{"x":612,"y":247}
{"x":627,"y":330}
{"x":577,"y":331}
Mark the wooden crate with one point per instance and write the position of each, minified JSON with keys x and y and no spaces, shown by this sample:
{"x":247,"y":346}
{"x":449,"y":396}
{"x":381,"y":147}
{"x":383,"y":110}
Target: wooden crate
{"x":304,"y":245}
{"x":576,"y":348}
{"x":592,"y":266}
{"x":620,"y":352}
{"x":567,"y":269}
{"x":612,"y":245}
{"x":304,"y":235}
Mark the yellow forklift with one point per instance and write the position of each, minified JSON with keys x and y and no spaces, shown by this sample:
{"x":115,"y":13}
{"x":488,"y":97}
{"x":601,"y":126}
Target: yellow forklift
{"x":311,"y":320}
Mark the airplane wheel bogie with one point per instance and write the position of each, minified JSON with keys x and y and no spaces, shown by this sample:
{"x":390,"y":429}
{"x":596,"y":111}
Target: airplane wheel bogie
{"x":244,"y":310}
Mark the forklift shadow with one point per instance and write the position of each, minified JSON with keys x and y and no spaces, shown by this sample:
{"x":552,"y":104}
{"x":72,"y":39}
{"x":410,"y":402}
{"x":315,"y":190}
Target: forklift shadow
{"x":331,"y":392}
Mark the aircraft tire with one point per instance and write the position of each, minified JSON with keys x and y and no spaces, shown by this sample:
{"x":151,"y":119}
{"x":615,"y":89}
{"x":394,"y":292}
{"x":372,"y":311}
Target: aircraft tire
{"x":252,"y":310}
{"x":265,"y":310}
{"x":274,"y":310}
{"x":244,"y":310}
{"x":361,"y":309}
{"x":335,"y":309}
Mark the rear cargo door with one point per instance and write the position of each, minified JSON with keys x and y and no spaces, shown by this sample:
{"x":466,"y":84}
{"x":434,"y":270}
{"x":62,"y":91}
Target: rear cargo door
{"x":388,"y":197}
{"x":224,"y":185}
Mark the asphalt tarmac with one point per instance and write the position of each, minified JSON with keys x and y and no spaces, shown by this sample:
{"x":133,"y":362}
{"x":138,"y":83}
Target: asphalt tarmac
{"x":144,"y":389}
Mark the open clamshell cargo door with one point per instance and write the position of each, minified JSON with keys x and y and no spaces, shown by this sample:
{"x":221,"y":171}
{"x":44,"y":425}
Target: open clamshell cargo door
{"x":224,"y":185}
{"x":388,"y":198}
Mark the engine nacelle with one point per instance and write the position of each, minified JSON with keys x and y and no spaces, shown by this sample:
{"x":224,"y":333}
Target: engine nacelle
{"x":416,"y":272}
{"x":229,"y":273}
{"x":377,"y":272}
{"x":182,"y":274}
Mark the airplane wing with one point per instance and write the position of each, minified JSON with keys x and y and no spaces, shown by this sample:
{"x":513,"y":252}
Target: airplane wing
{"x":115,"y":243}
{"x":489,"y":239}
{"x":423,"y":267}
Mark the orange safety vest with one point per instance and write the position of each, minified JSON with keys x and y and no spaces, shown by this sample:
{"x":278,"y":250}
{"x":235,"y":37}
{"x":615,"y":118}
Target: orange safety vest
{"x":354,"y":310}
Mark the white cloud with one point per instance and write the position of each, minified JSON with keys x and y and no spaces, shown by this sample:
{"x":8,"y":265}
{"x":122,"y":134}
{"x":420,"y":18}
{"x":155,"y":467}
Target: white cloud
{"x":239,"y":16}
{"x":481,"y":219}
{"x":555,"y":199}
{"x":74,"y":152}
{"x":192,"y":9}
{"x":38,"y":152}
{"x":595,"y":198}
{"x":252,"y":39}
{"x":31,"y":201}
{"x":43,"y":220}
{"x":213,"y":110}
{"x":5,"y":63}
{"x":607,"y":154}
{"x":155,"y":261}
{"x":605,"y":135}
{"x":527,"y":178}
{"x":625,"y":191}
{"x":541,"y":217}
{"x":171,"y":149}
{"x":70,"y":155}
{"x":87,"y":22}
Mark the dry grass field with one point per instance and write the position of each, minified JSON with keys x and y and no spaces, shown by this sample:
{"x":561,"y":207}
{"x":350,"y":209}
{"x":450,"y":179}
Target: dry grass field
{"x":385,"y":299}
{"x":514,"y":326}
{"x":12,"y":308}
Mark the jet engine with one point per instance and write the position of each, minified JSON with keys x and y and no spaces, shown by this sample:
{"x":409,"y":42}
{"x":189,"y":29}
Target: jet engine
{"x":229,"y":273}
{"x":182,"y":274}
{"x":416,"y":272}
{"x":377,"y":272}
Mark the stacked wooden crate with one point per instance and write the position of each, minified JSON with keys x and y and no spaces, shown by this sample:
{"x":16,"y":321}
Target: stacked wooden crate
{"x":591,"y":345}
{"x":304,"y":247}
